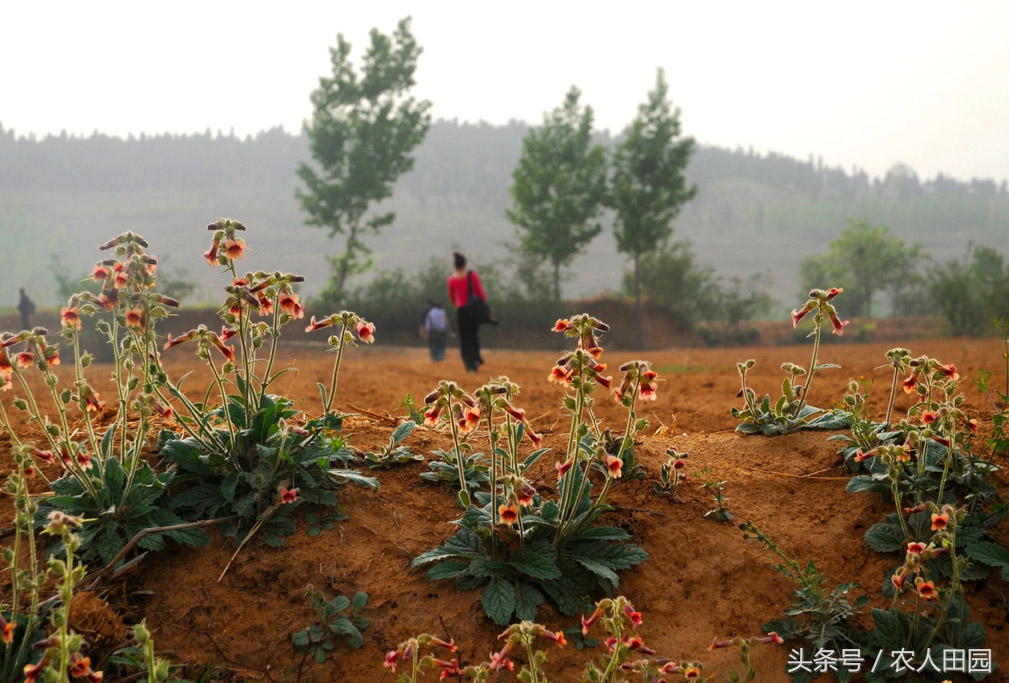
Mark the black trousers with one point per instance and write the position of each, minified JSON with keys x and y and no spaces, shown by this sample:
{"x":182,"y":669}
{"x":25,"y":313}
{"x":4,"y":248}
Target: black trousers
{"x":469,"y":340}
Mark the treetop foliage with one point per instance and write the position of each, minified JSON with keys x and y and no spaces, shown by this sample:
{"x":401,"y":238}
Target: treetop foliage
{"x":558,"y":186}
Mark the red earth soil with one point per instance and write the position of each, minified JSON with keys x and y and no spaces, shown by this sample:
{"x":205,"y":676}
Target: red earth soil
{"x":702,"y":581}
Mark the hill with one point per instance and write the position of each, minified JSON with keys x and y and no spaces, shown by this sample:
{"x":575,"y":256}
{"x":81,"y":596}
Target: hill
{"x":64,"y":195}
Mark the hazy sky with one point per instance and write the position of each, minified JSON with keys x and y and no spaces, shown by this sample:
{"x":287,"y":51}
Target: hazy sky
{"x":857,"y":83}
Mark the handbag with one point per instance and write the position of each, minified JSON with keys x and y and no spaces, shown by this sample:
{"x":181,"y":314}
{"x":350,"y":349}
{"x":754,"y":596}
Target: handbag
{"x":476,"y":308}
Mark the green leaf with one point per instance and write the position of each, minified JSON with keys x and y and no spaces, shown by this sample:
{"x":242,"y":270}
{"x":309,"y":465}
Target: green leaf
{"x":339,"y":603}
{"x":884,"y":538}
{"x":990,"y":554}
{"x":300,"y":639}
{"x":498,"y":601}
{"x":114,"y":476}
{"x":539,"y":564}
{"x":360,"y":600}
{"x":446,"y":570}
{"x":356,"y":477}
{"x":228,"y":487}
{"x":889,"y":633}
{"x":402,"y":431}
{"x":527,"y":601}
{"x":604,"y":533}
{"x":868,"y":484}
{"x":600,"y":570}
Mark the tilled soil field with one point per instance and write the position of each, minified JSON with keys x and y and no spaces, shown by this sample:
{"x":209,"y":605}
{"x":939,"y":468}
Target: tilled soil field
{"x":702,"y":581}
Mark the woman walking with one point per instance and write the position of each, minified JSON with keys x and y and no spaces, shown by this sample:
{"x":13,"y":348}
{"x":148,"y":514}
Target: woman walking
{"x":462,"y":285}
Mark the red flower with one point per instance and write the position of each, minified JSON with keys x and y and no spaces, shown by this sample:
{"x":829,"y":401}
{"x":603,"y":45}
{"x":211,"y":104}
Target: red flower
{"x":972,"y":425}
{"x":560,"y":374}
{"x":175,"y":342}
{"x":926,"y":590}
{"x":499,"y":660}
{"x":589,"y":344}
{"x":636,"y":644}
{"x":634,"y":616}
{"x":929,"y":416}
{"x":79,"y":666}
{"x":692,"y":672}
{"x":614,"y":465}
{"x":100,"y":272}
{"x":7,"y":630}
{"x":84,"y":460}
{"x":162,"y":410}
{"x":949,"y":371}
{"x":121,"y":280}
{"x":31,"y":671}
{"x":509,"y":513}
{"x":265,"y":304}
{"x":648,"y":391}
{"x":910,"y":383}
{"x":391,"y":658}
{"x":25,"y":359}
{"x":44,"y":456}
{"x":563,"y":467}
{"x":915,"y":548}
{"x":836,"y":322}
{"x":226,"y":351}
{"x":6,"y":369}
{"x":135,"y":319}
{"x":470,"y":420}
{"x":525,"y":495}
{"x":234,"y":248}
{"x":772,"y":637}
{"x":939,"y":522}
{"x":536,"y":439}
{"x":93,"y":401}
{"x":211,"y":255}
{"x":860,"y":456}
{"x":288,"y":495}
{"x":798,"y":315}
{"x":288,"y":302}
{"x":557,"y":637}
{"x":318,"y":325}
{"x":517,"y":413}
{"x":619,"y":392}
{"x":833,"y":291}
{"x":450,"y":645}
{"x":450,"y":669}
{"x":365,"y":332}
{"x":605,"y":382}
{"x":70,"y":316}
{"x":52,"y":356}
{"x":587,"y":623}
{"x":562,"y":325}
{"x":431,"y":415}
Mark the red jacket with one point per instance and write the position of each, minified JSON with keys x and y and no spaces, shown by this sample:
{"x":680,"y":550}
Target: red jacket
{"x":458,"y":289}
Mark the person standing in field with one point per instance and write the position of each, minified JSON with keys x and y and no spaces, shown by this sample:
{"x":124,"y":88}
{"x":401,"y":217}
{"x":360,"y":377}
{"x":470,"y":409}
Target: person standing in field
{"x":26,"y":307}
{"x":435,"y":329}
{"x":462,"y":285}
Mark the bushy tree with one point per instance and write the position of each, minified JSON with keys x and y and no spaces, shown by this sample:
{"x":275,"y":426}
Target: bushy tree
{"x":558,"y":187}
{"x":648,"y":186}
{"x":670,"y":275}
{"x":864,"y":260}
{"x":363,"y":130}
{"x":971,"y":292}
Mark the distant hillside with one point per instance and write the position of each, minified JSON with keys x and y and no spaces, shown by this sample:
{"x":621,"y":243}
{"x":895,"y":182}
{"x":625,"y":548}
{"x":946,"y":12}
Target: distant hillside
{"x":753,"y":213}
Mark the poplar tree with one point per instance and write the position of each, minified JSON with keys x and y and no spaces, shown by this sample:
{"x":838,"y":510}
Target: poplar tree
{"x":558,"y":187}
{"x":364,"y":127}
{"x":648,"y":186}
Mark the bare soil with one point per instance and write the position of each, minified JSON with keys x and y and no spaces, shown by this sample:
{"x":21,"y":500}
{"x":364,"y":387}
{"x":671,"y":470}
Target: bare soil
{"x":702,"y":581}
